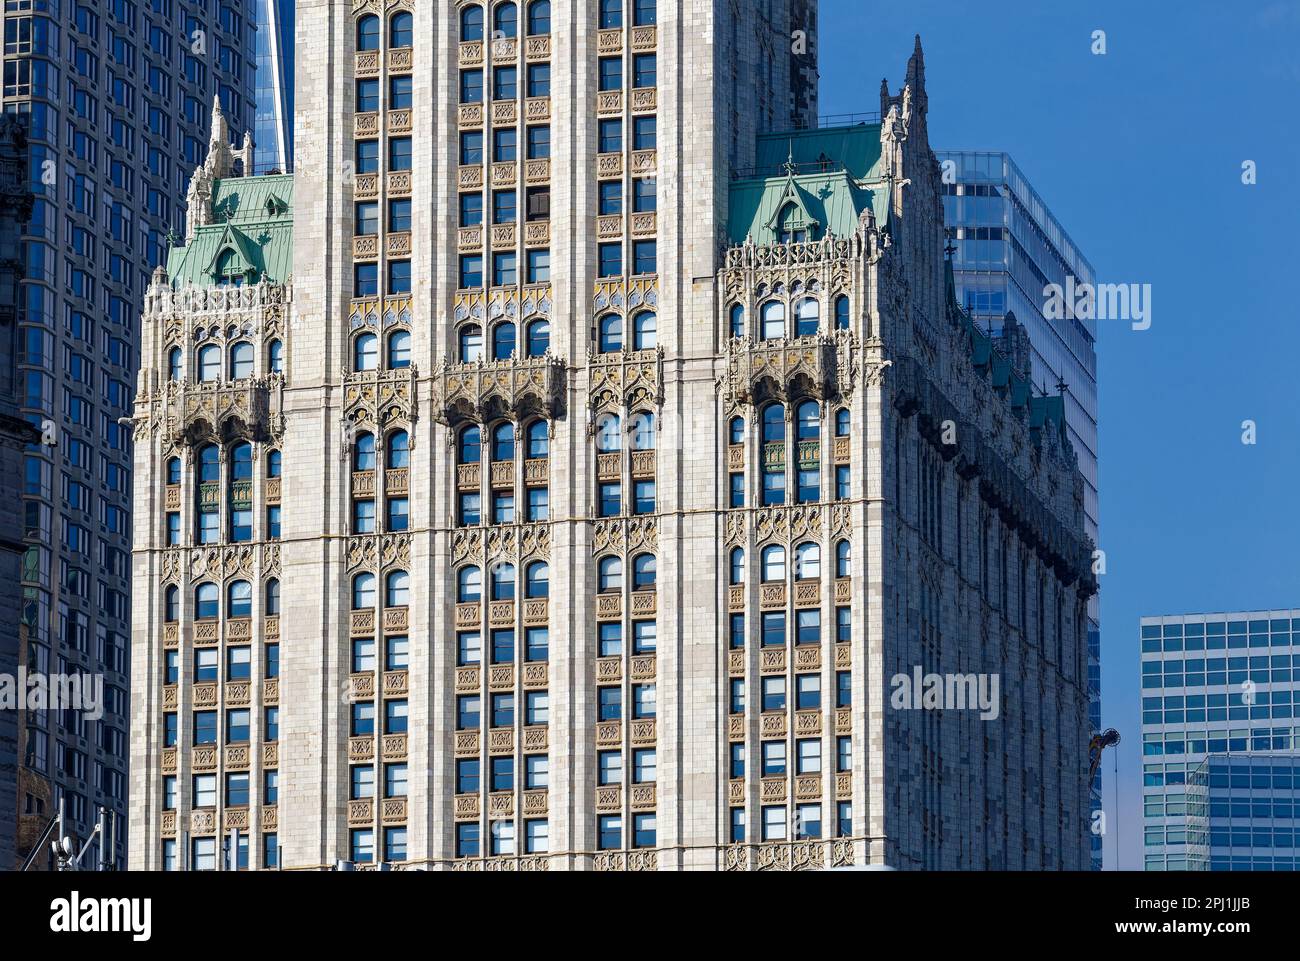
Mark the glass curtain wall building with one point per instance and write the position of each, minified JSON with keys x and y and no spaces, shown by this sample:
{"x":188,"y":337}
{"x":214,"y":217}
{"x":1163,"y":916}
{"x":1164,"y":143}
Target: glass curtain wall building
{"x":1217,"y":684}
{"x":117,"y":95}
{"x":1241,"y":813}
{"x":273,"y":131}
{"x":1008,"y":248}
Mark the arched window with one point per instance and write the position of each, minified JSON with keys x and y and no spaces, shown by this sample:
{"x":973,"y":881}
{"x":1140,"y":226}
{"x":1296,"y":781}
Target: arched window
{"x":736,"y":431}
{"x":737,"y":565}
{"x":274,"y":463}
{"x":505,"y":21}
{"x":503,"y":441}
{"x":275,"y":357}
{"x":538,"y":440}
{"x":397,"y":589}
{"x":205,"y":602}
{"x":842,"y":422}
{"x":807,"y":317}
{"x":609,"y":433}
{"x":272,"y":598}
{"x":368,"y":33}
{"x":774,"y":563}
{"x":399,"y":30}
{"x":469,"y":585}
{"x":610,"y":575}
{"x":807,"y":562}
{"x":644,"y":330}
{"x":643,"y":430}
{"x":239,"y":599}
{"x":363,"y":592}
{"x":468,"y":448}
{"x":471,"y":23}
{"x":397,"y":450}
{"x":843,"y":559}
{"x":503,"y":341}
{"x":173,"y":470}
{"x":399,"y":349}
{"x":539,"y":18}
{"x":773,"y":424}
{"x":611,"y":333}
{"x":841,"y":312}
{"x":241,"y":361}
{"x":643,"y":572}
{"x":471,"y":343}
{"x":539,"y":338}
{"x":363,"y":452}
{"x":773,"y":314}
{"x":807,"y":421}
{"x":172,"y":604}
{"x":737,"y":320}
{"x":228,"y":272}
{"x":537,"y":580}
{"x":241,"y":462}
{"x":365,"y":352}
{"x":503,"y":582}
{"x":174,"y":359}
{"x":209,"y":464}
{"x":210,"y":363}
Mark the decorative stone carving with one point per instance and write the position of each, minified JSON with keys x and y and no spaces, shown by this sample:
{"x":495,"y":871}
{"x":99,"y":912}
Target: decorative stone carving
{"x":482,"y":391}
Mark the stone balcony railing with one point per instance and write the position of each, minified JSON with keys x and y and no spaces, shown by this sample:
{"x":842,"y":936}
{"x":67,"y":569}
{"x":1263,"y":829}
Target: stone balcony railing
{"x":820,"y":366}
{"x":480,"y":391}
{"x":201,"y":411}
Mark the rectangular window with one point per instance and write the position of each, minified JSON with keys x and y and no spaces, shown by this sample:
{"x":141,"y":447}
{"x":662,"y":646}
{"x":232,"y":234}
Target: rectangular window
{"x":611,"y":197}
{"x":503,"y":646}
{"x":844,"y":819}
{"x":644,"y":133}
{"x":610,"y":499}
{"x":539,"y":269}
{"x":467,"y":840}
{"x":644,"y":493}
{"x":503,"y":774}
{"x":505,"y":84}
{"x":773,"y":758}
{"x":643,"y":766}
{"x":394,"y":780}
{"x":643,"y":830}
{"x":611,"y":639}
{"x":643,"y":700}
{"x":471,"y":210}
{"x":471,"y":271}
{"x":610,"y":135}
{"x":539,"y":80}
{"x":365,"y":281}
{"x":537,"y":772}
{"x":467,"y":775}
{"x":611,"y":703}
{"x":645,"y":256}
{"x":808,"y":692}
{"x":809,"y":626}
{"x":538,"y":207}
{"x":774,"y":693}
{"x":399,"y":276}
{"x":400,"y":90}
{"x":610,"y":765}
{"x":843,"y":689}
{"x":362,"y":845}
{"x":467,"y":712}
{"x":611,"y":259}
{"x":774,"y":823}
{"x":399,"y":153}
{"x":737,"y":825}
{"x":367,"y":219}
{"x":773,"y":488}
{"x":643,"y":70}
{"x":611,"y":73}
{"x":808,"y":821}
{"x":644,"y":637}
{"x":843,"y":625}
{"x":469,"y":509}
{"x":504,"y":209}
{"x":367,"y":96}
{"x":503,"y":506}
{"x":736,"y":631}
{"x":367,"y":156}
{"x":539,"y":141}
{"x":471,"y":86}
{"x":610,"y":832}
{"x":538,"y":644}
{"x":737,"y":695}
{"x":471,"y":147}
{"x":644,"y":196}
{"x":773,"y":629}
{"x":399,"y":216}
{"x":737,"y":483}
{"x":611,"y":14}
{"x":808,"y":756}
{"x":504,"y":144}
{"x":468,"y":648}
{"x":537,"y":707}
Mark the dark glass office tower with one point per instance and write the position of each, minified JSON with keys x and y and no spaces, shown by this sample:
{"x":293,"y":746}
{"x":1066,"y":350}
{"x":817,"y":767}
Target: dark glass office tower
{"x":273,"y":132}
{"x":117,"y":96}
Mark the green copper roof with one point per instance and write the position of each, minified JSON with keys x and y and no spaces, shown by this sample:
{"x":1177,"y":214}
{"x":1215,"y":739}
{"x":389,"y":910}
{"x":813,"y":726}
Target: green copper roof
{"x":251,"y":216}
{"x":856,"y":149}
{"x":823,"y":177}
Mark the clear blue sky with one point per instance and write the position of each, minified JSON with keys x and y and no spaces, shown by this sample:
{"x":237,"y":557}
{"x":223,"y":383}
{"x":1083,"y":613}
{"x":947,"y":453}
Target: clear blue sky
{"x":1139,"y":154}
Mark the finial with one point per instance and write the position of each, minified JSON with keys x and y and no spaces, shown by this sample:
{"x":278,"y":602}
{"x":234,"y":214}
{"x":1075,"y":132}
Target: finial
{"x":789,"y":157}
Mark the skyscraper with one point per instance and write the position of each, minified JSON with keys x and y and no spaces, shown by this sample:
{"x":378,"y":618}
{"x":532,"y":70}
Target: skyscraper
{"x":495,"y":538}
{"x":116,"y":96}
{"x":273,"y":130}
{"x":1219,"y":700}
{"x":1009,"y":247}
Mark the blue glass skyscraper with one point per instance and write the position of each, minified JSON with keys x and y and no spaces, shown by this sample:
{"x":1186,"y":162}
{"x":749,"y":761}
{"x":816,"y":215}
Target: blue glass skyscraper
{"x":273,"y":129}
